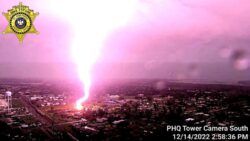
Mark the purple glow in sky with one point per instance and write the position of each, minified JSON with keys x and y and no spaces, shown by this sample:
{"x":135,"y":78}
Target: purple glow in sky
{"x":163,"y":39}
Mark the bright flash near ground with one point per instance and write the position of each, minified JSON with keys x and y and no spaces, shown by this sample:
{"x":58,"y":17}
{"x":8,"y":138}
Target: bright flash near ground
{"x":92,"y":21}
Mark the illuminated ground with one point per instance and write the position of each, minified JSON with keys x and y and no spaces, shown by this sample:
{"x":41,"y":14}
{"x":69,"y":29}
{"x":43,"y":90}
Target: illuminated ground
{"x":128,"y":111}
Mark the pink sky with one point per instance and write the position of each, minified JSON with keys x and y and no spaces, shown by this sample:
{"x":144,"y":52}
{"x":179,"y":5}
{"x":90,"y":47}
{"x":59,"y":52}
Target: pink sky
{"x":161,"y":36}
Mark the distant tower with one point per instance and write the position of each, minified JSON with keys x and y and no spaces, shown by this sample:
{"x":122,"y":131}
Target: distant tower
{"x":8,"y":99}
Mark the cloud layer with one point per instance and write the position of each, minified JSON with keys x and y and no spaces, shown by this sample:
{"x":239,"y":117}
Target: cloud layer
{"x":162,"y":35}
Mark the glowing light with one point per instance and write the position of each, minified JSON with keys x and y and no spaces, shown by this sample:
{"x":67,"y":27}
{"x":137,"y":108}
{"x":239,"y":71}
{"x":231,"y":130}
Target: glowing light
{"x":92,"y":22}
